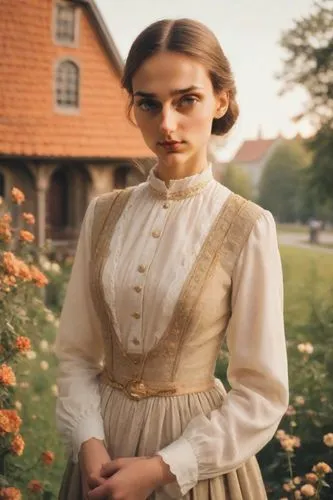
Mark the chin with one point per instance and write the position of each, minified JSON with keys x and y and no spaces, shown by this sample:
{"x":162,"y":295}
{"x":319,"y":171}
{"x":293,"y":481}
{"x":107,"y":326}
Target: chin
{"x":173,"y":160}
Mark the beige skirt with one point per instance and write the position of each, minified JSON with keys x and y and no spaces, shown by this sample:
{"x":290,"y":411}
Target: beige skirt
{"x":140,"y":428}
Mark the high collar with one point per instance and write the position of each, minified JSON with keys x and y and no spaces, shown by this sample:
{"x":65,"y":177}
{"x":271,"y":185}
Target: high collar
{"x":179,"y":189}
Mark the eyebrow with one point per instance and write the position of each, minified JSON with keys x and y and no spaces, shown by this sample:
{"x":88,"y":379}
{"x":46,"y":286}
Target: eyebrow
{"x":140,"y":93}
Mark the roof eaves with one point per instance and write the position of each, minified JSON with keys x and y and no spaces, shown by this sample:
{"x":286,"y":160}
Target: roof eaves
{"x":102,"y":29}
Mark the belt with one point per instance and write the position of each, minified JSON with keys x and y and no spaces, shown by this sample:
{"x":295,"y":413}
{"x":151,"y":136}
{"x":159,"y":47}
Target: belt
{"x":141,"y":389}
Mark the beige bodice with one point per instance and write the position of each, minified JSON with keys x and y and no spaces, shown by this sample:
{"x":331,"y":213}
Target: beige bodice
{"x":184,"y":359}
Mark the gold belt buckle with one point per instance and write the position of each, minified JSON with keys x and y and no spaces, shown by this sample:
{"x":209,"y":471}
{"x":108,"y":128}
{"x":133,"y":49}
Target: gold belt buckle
{"x":136,"y":389}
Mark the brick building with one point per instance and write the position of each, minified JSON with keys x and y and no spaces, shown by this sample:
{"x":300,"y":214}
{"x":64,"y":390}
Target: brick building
{"x":64,"y":134}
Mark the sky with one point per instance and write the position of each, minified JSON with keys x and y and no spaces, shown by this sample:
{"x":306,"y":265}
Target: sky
{"x":249,"y":32}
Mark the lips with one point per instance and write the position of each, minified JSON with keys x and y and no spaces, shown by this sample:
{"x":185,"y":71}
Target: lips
{"x":169,"y":143}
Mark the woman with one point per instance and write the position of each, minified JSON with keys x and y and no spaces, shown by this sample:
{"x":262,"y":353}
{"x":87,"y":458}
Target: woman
{"x":163,"y":273}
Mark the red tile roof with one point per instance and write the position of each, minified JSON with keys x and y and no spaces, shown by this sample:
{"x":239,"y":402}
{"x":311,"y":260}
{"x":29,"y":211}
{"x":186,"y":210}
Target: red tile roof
{"x":253,"y":150}
{"x":29,"y":123}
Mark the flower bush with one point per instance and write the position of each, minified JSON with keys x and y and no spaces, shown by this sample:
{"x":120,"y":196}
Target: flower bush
{"x":21,"y":284}
{"x":303,"y":447}
{"x":297,"y":464}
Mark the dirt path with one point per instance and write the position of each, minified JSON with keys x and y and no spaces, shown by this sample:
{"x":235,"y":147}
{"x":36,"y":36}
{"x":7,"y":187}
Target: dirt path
{"x":301,"y":240}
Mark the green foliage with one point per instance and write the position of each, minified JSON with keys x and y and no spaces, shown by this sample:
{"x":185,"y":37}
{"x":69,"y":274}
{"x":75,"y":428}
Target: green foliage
{"x":23,"y":318}
{"x":309,"y":64}
{"x":281,"y":184}
{"x":309,"y":321}
{"x":321,"y":171}
{"x":238,"y":181}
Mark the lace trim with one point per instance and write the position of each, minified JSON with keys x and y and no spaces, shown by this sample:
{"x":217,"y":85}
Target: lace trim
{"x":180,"y":195}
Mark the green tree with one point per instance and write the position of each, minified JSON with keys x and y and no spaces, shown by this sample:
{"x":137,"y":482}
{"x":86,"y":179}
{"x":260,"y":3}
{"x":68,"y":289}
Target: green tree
{"x":282,"y":181}
{"x":309,"y":64}
{"x":236,"y":179}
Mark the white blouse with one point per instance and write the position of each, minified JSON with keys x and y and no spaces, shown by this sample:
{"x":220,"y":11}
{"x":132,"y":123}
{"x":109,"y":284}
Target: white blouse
{"x":163,"y":239}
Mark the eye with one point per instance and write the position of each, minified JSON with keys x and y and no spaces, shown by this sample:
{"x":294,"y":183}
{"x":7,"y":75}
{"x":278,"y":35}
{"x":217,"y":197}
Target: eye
{"x":188,"y":101}
{"x":147,"y":105}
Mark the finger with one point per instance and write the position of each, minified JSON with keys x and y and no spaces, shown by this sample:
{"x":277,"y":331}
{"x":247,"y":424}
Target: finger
{"x":94,"y":481}
{"x":112,"y":467}
{"x":99,"y":493}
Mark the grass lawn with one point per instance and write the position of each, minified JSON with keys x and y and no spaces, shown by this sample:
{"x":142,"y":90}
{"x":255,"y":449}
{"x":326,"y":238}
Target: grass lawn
{"x":308,"y":275}
{"x":305,"y":272}
{"x":292,"y":228}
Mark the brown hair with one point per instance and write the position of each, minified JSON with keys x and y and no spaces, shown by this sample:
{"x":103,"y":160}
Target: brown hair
{"x":191,"y":38}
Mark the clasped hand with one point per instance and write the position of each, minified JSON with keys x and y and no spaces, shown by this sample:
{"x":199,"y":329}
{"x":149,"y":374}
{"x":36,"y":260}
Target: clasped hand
{"x":131,"y":478}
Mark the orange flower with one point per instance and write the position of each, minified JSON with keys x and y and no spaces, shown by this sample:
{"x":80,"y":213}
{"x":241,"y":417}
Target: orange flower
{"x":10,"y":493}
{"x":311,"y":477}
{"x":328,"y":439}
{"x":10,"y":263}
{"x":23,"y":344}
{"x":29,"y":218}
{"x":289,"y":486}
{"x":7,"y":376}
{"x":26,"y":236}
{"x":35,"y":486}
{"x":38,"y":277}
{"x":4,"y":423}
{"x":9,"y":422}
{"x":24,"y":271}
{"x":321,"y":468}
{"x":308,"y":490}
{"x":288,"y":442}
{"x":17,"y":446}
{"x":7,"y":218}
{"x":15,"y":267}
{"x":17,"y":196}
{"x":5,"y":232}
{"x":47,"y":457}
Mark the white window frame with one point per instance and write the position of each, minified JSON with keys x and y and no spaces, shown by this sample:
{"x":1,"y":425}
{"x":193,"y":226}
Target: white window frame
{"x":56,"y":40}
{"x":69,"y":109}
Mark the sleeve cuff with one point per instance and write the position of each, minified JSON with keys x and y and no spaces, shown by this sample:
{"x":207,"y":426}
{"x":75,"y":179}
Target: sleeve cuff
{"x":90,"y":426}
{"x":182,"y":461}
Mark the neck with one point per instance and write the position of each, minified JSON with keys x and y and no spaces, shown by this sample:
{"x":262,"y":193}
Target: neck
{"x":167,"y":172}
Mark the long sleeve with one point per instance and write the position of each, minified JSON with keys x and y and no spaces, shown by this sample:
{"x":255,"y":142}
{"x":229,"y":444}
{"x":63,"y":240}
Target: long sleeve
{"x":257,"y":371}
{"x":79,"y":349}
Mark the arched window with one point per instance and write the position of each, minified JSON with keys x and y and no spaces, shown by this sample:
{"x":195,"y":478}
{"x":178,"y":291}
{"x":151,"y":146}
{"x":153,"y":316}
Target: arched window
{"x":67,"y":85}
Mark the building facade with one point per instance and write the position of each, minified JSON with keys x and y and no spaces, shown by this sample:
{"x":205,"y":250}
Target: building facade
{"x":64,"y":133}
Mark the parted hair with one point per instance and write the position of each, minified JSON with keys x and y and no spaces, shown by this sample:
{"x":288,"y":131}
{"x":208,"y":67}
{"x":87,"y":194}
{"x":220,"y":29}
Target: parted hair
{"x":195,"y":40}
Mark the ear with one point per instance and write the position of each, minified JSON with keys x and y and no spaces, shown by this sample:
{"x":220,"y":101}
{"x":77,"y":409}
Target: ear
{"x":222,"y":104}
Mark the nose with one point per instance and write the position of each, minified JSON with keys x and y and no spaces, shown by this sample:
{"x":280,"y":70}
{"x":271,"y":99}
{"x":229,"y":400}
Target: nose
{"x":168,"y":121}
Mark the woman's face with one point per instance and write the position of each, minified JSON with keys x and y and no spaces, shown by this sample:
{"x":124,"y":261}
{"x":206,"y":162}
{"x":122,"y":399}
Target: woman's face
{"x":174,"y":106}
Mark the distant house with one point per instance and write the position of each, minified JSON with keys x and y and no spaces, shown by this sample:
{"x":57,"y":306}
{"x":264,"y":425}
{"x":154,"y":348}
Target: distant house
{"x":64,"y":134}
{"x":252,"y":157}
